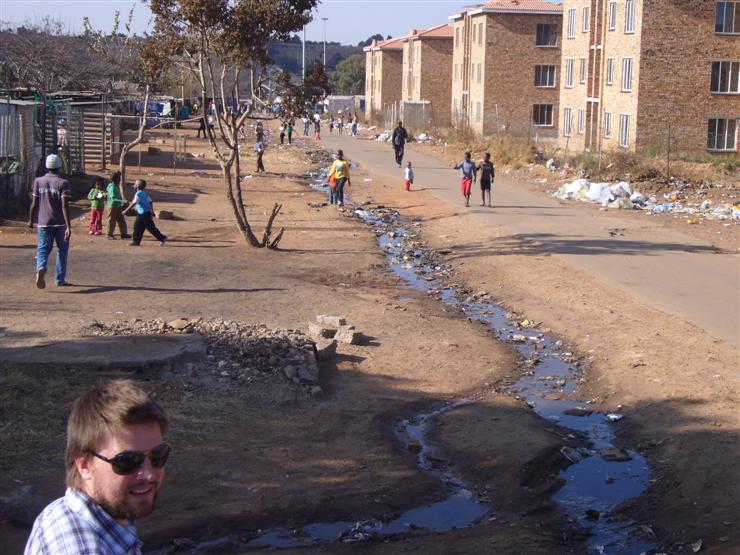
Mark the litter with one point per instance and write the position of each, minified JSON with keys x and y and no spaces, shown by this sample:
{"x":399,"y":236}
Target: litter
{"x":613,"y":417}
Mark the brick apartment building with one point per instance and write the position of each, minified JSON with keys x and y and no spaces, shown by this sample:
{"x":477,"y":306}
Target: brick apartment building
{"x":634,"y":71}
{"x":427,"y":67}
{"x":504,"y":68}
{"x":383,"y":68}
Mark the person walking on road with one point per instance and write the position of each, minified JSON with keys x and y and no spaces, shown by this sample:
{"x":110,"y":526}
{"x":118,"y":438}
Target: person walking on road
{"x":259,"y":148}
{"x":487,"y":174}
{"x":50,"y":212}
{"x":340,"y":171}
{"x":408,"y":175}
{"x":115,"y":460}
{"x":115,"y":208}
{"x":304,"y":119}
{"x":96,"y":196}
{"x":399,"y":138}
{"x":290,"y":132}
{"x":317,"y":129}
{"x":144,"y":215}
{"x":467,"y":174}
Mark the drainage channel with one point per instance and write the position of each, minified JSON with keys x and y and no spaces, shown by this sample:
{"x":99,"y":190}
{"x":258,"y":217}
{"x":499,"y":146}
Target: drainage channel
{"x":599,"y":479}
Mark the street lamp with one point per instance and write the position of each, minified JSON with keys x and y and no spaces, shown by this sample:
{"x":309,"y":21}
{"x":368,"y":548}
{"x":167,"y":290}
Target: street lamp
{"x":325,"y":19}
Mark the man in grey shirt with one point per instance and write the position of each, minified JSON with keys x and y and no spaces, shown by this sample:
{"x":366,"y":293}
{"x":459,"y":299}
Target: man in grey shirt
{"x":50,"y":212}
{"x":487,"y":174}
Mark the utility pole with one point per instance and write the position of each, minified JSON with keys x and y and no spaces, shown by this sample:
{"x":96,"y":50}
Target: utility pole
{"x":304,"y":53}
{"x":324,"y":19}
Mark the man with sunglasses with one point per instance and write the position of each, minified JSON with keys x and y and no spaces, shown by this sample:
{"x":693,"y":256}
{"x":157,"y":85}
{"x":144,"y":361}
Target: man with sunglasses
{"x":115,"y":465}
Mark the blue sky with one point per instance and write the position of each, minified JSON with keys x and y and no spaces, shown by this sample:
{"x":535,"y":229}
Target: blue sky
{"x":349,"y":21}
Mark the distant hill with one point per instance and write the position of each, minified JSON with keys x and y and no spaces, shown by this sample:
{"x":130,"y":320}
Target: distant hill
{"x":288,"y":55}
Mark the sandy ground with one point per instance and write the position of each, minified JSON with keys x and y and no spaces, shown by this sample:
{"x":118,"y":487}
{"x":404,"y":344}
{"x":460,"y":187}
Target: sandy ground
{"x":242,"y":459}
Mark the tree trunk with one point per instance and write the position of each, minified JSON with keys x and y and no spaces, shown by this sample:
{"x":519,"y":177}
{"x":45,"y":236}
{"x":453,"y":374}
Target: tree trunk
{"x":132,"y":144}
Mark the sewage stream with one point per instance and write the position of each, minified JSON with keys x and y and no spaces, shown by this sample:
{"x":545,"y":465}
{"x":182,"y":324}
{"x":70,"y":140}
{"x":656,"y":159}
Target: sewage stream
{"x":599,"y":479}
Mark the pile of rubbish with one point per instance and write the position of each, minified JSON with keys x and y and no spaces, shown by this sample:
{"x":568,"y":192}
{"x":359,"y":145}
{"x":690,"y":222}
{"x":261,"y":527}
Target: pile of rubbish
{"x":621,"y":196}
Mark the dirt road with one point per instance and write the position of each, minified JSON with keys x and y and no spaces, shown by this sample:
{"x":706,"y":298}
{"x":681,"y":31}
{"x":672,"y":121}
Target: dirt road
{"x":660,"y":268}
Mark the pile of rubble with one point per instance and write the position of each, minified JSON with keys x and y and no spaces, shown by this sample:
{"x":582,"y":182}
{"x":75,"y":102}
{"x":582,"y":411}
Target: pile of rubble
{"x":620,"y":195}
{"x":243,"y":353}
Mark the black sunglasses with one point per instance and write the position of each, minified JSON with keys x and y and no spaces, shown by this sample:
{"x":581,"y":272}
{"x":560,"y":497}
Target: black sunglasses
{"x":128,"y":462}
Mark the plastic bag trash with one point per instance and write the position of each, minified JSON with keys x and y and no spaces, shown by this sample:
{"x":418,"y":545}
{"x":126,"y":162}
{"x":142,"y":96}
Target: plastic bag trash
{"x":423,"y":137}
{"x":613,"y":417}
{"x":638,"y":198}
{"x":622,"y":204}
{"x":621,"y":189}
{"x":706,"y":205}
{"x":82,"y":218}
{"x":661,"y":208}
{"x":550,"y":165}
{"x":600,"y":192}
{"x":383,"y":137}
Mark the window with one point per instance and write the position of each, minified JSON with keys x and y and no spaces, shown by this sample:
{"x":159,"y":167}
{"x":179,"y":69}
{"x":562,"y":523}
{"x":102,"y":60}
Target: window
{"x":584,"y":25}
{"x":581,"y":122}
{"x":542,"y":115}
{"x":475,"y":27}
{"x":477,"y":112}
{"x":607,"y":124}
{"x":546,"y":35}
{"x":572,"y":23}
{"x":722,"y":134}
{"x":480,"y":73}
{"x":728,"y":14}
{"x":610,"y":71}
{"x":626,"y":74}
{"x":454,"y":76}
{"x":725,"y":77}
{"x":612,"y":16}
{"x":629,"y":16}
{"x":457,"y":37}
{"x":544,"y":76}
{"x":582,"y":74}
{"x":417,"y":83}
{"x":567,"y":122}
{"x":624,"y":130}
{"x":569,"y":73}
{"x":480,"y":34}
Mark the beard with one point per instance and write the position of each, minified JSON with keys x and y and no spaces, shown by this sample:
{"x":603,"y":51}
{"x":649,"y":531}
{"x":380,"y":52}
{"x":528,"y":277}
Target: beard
{"x":120,"y":508}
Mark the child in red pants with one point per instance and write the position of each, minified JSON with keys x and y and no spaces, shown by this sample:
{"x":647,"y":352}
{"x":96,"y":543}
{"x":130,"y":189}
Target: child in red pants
{"x":408,"y":176}
{"x":96,"y":196}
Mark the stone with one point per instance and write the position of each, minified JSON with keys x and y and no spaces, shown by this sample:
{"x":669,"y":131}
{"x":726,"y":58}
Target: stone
{"x":153,"y":150}
{"x":309,"y":373}
{"x":326,"y":350}
{"x":318,"y":331}
{"x":347,"y":334}
{"x":615,"y":454}
{"x":333,"y":321}
{"x":290,"y":372}
{"x":316,"y":391}
{"x":165,"y":215}
{"x":179,"y":324}
{"x":578,"y":411}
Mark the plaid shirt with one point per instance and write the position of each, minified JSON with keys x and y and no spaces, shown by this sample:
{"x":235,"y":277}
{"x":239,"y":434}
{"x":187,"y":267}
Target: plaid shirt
{"x":76,"y":525}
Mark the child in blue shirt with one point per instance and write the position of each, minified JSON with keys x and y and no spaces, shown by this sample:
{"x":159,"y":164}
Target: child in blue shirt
{"x":144,"y":215}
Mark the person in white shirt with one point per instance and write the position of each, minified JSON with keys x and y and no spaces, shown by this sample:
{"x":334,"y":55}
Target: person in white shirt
{"x":408,"y":176}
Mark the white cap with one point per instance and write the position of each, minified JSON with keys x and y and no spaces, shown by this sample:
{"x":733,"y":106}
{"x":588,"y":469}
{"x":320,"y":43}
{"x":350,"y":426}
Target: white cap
{"x":53,"y":162}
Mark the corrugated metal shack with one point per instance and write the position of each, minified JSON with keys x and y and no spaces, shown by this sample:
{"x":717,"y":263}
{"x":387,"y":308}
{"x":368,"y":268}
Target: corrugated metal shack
{"x":20,"y":148}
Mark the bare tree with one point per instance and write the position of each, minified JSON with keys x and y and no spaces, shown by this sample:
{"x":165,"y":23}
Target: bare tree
{"x":219,"y":42}
{"x":141,"y":61}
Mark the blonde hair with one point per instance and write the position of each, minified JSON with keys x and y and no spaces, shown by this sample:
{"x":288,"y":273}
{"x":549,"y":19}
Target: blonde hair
{"x":101,"y":411}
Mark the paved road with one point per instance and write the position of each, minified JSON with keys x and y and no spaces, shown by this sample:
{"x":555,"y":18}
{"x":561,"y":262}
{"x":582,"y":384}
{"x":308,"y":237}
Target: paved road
{"x":671,"y":272}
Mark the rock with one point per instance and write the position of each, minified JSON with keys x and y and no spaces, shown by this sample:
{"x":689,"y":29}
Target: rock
{"x":615,"y":454}
{"x":309,"y":374}
{"x":517,"y":338}
{"x":153,"y":150}
{"x":165,"y":215}
{"x":179,"y":324}
{"x":290,"y":372}
{"x":319,"y":331}
{"x":592,"y":514}
{"x":333,"y":321}
{"x":316,"y":391}
{"x":347,"y":334}
{"x":326,"y":350}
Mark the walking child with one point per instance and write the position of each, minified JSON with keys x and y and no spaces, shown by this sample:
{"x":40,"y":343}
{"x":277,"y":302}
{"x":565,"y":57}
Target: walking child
{"x":144,"y":215}
{"x":259,"y":147}
{"x":487,"y":175}
{"x":339,"y":171}
{"x":467,"y":175}
{"x":96,"y":196}
{"x":408,"y":176}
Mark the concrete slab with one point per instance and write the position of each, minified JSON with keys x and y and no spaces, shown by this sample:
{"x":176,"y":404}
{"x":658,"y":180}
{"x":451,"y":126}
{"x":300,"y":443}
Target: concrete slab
{"x":107,"y":352}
